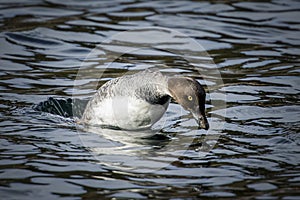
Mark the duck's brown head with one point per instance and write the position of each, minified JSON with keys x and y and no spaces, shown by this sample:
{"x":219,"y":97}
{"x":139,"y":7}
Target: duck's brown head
{"x":191,"y":96}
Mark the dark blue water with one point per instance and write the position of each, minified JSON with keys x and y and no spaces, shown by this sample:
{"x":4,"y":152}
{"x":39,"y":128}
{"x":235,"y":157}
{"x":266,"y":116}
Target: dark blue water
{"x":245,"y":53}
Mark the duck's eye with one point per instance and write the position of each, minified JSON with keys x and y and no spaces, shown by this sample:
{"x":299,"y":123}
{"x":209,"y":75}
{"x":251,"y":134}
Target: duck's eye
{"x":190,"y":98}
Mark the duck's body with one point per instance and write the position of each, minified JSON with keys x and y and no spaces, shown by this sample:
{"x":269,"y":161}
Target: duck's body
{"x":130,"y":102}
{"x":133,"y":102}
{"x":138,"y":101}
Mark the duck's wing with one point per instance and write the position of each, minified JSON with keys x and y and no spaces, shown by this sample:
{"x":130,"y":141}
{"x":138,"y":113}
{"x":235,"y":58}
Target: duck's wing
{"x":149,"y":80}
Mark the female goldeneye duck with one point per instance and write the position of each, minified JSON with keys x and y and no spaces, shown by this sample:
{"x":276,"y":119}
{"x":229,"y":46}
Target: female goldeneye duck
{"x":138,"y":101}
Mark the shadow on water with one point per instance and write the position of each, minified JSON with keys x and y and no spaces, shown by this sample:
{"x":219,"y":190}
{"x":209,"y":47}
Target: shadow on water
{"x":142,"y":151}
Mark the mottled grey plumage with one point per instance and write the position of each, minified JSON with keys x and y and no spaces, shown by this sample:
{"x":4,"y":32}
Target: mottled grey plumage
{"x":148,"y":84}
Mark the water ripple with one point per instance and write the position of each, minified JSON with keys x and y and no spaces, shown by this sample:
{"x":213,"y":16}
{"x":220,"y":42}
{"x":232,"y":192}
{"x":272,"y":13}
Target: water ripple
{"x":253,"y":142}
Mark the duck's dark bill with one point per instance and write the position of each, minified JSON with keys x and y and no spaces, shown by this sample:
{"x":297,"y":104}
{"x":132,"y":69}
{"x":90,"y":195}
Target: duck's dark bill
{"x":201,"y":120}
{"x":203,"y":123}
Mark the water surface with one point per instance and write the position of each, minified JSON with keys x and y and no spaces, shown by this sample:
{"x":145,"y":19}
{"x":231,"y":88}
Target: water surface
{"x":251,"y":150}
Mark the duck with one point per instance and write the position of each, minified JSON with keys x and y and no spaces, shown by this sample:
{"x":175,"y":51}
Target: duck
{"x":138,"y":101}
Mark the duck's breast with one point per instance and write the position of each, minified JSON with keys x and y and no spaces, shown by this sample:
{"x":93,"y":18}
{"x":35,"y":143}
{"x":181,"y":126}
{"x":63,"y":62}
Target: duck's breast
{"x":127,"y":112}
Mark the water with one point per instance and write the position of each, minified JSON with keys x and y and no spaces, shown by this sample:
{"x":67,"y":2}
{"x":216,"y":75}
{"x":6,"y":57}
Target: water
{"x":251,"y":150}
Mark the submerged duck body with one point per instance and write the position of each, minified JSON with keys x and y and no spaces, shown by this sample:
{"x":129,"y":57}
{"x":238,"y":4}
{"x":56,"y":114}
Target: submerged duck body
{"x":138,"y":101}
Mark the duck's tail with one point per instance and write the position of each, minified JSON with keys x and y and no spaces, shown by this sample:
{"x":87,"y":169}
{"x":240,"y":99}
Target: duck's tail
{"x":63,"y":107}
